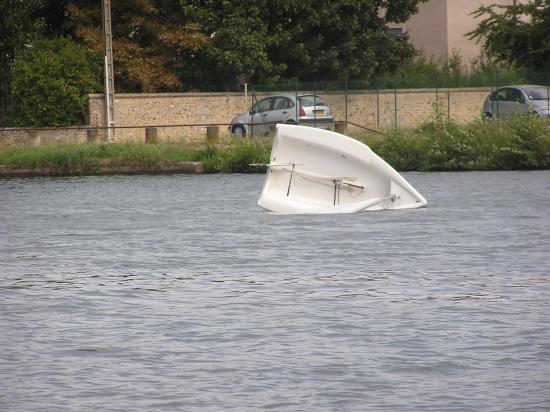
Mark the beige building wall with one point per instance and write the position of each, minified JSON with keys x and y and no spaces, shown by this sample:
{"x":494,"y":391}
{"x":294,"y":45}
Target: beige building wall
{"x":427,"y":29}
{"x":440,"y":26}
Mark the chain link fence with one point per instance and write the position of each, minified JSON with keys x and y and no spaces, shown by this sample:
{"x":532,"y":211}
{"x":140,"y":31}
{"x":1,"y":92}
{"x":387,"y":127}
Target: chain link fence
{"x":375,"y":105}
{"x":383,"y":103}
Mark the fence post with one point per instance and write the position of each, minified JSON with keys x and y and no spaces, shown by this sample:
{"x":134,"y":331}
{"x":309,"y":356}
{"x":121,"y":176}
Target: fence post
{"x":151,"y":135}
{"x":497,"y":82}
{"x":448,"y":105}
{"x":395,"y":107}
{"x":314,"y":104}
{"x":346,"y":100}
{"x":34,"y":138}
{"x":378,"y":108}
{"x":91,"y":135}
{"x":297,"y":102}
{"x":254,"y":101}
{"x":340,"y":127}
{"x":212,"y":133}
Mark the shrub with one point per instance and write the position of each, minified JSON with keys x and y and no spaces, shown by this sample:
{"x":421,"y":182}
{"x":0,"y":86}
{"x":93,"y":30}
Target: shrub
{"x":403,"y":149}
{"x":419,"y":72}
{"x":51,"y":81}
{"x":235,"y":156}
{"x":523,"y":142}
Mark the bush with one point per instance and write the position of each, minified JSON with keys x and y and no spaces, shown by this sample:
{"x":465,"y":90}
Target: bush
{"x":523,"y":142}
{"x":420,"y":72}
{"x":50,"y":83}
{"x":232,"y":156}
{"x":235,"y":156}
{"x":77,"y":159}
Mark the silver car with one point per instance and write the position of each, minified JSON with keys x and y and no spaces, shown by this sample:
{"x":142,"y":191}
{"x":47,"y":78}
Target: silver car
{"x":307,"y":109}
{"x":505,"y":101}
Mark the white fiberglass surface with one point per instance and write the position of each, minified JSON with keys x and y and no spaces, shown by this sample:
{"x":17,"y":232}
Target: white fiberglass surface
{"x":312,"y":168}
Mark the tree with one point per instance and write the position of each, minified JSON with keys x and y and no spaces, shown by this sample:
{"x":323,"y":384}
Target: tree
{"x":53,"y":14}
{"x":239,"y":43}
{"x":272,"y":39}
{"x":516,"y":34}
{"x":51,"y":81}
{"x":19,"y":25}
{"x":338,"y":39}
{"x":151,"y":41}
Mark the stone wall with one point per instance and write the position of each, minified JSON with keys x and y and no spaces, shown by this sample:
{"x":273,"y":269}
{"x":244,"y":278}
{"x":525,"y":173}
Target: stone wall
{"x":185,"y":117}
{"x":44,"y":136}
{"x":406,"y":108}
{"x":177,"y":116}
{"x":373,"y":109}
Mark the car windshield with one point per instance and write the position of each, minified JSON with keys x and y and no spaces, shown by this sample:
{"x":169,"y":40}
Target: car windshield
{"x":311,"y":100}
{"x":539,"y":93}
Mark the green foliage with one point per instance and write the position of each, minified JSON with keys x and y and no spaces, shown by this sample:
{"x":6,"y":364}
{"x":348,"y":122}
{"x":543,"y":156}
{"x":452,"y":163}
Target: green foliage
{"x":239,"y":42}
{"x":152,"y":41}
{"x":268,"y":40}
{"x":419,"y":72}
{"x":19,"y":25}
{"x":234,"y":157}
{"x":452,"y":147}
{"x":400,"y":148}
{"x":526,"y":145}
{"x":78,"y":159}
{"x":65,"y":158}
{"x":339,"y":39}
{"x":516,"y":34}
{"x":169,"y":45}
{"x":51,"y":81}
{"x":523,"y":142}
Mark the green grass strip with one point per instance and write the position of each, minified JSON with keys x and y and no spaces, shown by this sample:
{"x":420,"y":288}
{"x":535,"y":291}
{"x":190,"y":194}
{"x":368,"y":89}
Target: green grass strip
{"x":523,"y":142}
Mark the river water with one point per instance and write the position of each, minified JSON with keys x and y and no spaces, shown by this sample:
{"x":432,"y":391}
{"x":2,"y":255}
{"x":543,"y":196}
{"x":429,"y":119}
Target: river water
{"x":146,"y":293}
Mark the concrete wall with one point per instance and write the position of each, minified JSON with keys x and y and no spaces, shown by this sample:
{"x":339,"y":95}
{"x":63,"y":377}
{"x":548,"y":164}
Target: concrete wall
{"x":428,"y":29}
{"x":170,"y":113}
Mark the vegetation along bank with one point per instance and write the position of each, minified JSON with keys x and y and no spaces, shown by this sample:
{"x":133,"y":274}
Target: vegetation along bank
{"x":523,"y":142}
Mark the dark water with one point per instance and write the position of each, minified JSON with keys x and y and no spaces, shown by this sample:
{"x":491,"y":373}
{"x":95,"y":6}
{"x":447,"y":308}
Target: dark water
{"x":178,"y":293}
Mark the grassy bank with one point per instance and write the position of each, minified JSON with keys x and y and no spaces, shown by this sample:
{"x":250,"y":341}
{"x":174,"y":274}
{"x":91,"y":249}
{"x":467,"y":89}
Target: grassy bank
{"x":520,"y":143}
{"x":228,"y":156}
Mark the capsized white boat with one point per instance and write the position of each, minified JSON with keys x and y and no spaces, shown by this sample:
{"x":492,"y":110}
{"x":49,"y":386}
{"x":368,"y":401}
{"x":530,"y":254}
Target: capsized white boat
{"x":318,"y":171}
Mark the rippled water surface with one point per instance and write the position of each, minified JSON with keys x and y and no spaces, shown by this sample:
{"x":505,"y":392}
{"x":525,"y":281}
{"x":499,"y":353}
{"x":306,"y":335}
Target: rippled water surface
{"x":147,"y":293}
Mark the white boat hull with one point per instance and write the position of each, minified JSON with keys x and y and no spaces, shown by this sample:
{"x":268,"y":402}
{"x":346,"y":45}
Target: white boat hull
{"x":319,"y":171}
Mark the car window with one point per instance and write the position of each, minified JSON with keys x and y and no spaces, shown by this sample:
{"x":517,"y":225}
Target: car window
{"x":499,"y":95}
{"x":282,"y":103}
{"x":311,"y":100}
{"x":514,"y":95}
{"x":538,"y":93}
{"x":263,"y":105}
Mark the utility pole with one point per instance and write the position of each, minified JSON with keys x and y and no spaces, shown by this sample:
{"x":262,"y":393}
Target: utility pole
{"x":109,"y":72}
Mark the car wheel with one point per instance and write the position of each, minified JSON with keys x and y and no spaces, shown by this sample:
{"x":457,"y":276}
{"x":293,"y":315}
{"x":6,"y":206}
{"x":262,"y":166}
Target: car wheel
{"x":488,"y":115}
{"x":239,"y":131}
